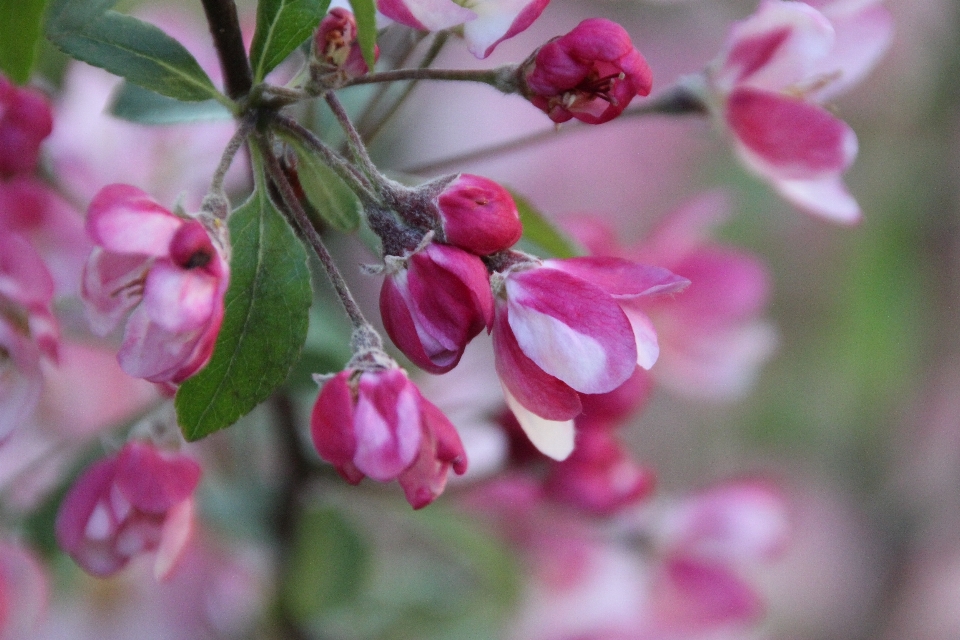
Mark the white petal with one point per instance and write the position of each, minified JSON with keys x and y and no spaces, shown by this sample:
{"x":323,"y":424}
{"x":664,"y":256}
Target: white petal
{"x":552,"y":438}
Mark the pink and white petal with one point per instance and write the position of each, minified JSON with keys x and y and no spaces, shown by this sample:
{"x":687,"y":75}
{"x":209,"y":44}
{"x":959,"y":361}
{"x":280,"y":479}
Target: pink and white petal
{"x":179,"y":300}
{"x":619,"y":277}
{"x":125,"y":219}
{"x":387,"y":423}
{"x":541,"y":393}
{"x":786,"y":138}
{"x":151,"y":352}
{"x":827,"y":197}
{"x":864,"y":33}
{"x":697,"y":593}
{"x":648,"y":347}
{"x":77,"y":507}
{"x":411,"y":337}
{"x":21,"y":379}
{"x":571,"y":329}
{"x":154,"y":482}
{"x":427,"y":15}
{"x":498,"y":20}
{"x":553,"y":438}
{"x":177,"y":531}
{"x":112,"y":285}
{"x":775,"y":48}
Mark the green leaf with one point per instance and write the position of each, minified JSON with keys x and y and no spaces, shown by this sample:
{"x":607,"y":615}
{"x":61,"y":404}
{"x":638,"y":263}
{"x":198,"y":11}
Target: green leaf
{"x":140,"y":52}
{"x":365,"y":11}
{"x":541,"y":232}
{"x":264,"y":326}
{"x":328,"y":566}
{"x":136,"y":104}
{"x":19,"y":34}
{"x":336,"y":203}
{"x":282,"y":26}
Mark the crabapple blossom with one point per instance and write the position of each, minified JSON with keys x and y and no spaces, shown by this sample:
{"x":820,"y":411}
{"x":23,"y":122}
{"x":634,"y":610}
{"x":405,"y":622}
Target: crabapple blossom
{"x":433,"y":302}
{"x":560,"y":329}
{"x":377,"y":424}
{"x":335,"y":45}
{"x":167,"y":270}
{"x":137,"y":501}
{"x":485,"y":23}
{"x":591,"y":73}
{"x":478,"y":215}
{"x":778,"y":65}
{"x":25,"y":120}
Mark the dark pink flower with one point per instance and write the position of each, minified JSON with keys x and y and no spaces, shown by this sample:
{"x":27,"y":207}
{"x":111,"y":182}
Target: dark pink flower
{"x":167,"y":270}
{"x":590,"y":74}
{"x":434,"y":302}
{"x":25,"y":120}
{"x":478,"y":215}
{"x":135,"y":502}
{"x":486,"y":23}
{"x":777,"y":67}
{"x":377,"y":424}
{"x":335,"y":43}
{"x":560,"y":330}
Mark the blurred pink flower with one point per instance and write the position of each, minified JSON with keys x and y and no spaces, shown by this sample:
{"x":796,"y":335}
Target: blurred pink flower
{"x":776,"y":68}
{"x":25,"y":120}
{"x":167,"y":270}
{"x":377,"y":424}
{"x":24,"y":592}
{"x":485,"y":23}
{"x":135,"y":502}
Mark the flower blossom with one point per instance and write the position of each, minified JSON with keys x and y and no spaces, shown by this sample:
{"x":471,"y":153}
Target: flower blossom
{"x":590,"y":74}
{"x":434,"y":302}
{"x":777,"y":67}
{"x":135,"y":502}
{"x":167,"y":270}
{"x":377,"y":424}
{"x":478,"y":215}
{"x":25,"y":120}
{"x":485,"y":23}
{"x":335,"y":45}
{"x":560,"y":330}
{"x":24,"y":592}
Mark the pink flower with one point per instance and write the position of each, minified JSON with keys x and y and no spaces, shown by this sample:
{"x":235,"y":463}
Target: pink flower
{"x":24,"y":592}
{"x":376,"y":423}
{"x":25,"y":120}
{"x":434,"y":302}
{"x":335,"y":44}
{"x":135,"y":502}
{"x":776,"y":68}
{"x":167,"y":270}
{"x":560,"y":329}
{"x":590,"y":74}
{"x":28,"y":330}
{"x":485,"y":24}
{"x":478,"y":215}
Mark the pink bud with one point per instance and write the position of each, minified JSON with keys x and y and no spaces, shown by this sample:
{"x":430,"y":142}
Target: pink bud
{"x":434,"y":302}
{"x":377,"y":424}
{"x":25,"y":120}
{"x":167,"y":271}
{"x":590,"y":74}
{"x":335,"y":43}
{"x":135,"y":502}
{"x":478,"y":215}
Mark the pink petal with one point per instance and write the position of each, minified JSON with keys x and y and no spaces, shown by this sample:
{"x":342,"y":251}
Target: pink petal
{"x":776,"y":47}
{"x":176,"y":533}
{"x":24,"y":278}
{"x":440,"y":449}
{"x":710,"y":594}
{"x":826,"y":197}
{"x":412,"y":339}
{"x":729,"y":286}
{"x":498,"y":20}
{"x":124,"y":219}
{"x":151,"y":352}
{"x":24,"y":592}
{"x":387,"y":423}
{"x":21,"y":379}
{"x":786,"y":138}
{"x":645,"y":335}
{"x":534,"y":389}
{"x":427,"y":15}
{"x":571,"y":329}
{"x":684,"y":229}
{"x":620,"y":278}
{"x":152,"y":481}
{"x":179,"y":300}
{"x":331,"y":426}
{"x":74,"y":515}
{"x":553,"y":438}
{"x":112,"y":285}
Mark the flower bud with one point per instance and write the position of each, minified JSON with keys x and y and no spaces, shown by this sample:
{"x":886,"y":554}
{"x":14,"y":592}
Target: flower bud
{"x":434,"y":302}
{"x":137,"y":501}
{"x":25,"y":120}
{"x":590,"y":74}
{"x":478,"y":215}
{"x":335,"y":44}
{"x":377,"y":424}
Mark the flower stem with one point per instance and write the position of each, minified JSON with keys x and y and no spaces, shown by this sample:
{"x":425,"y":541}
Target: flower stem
{"x":501,"y":78}
{"x":228,"y":40}
{"x":243,"y":132}
{"x":357,"y":148}
{"x":299,"y":220}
